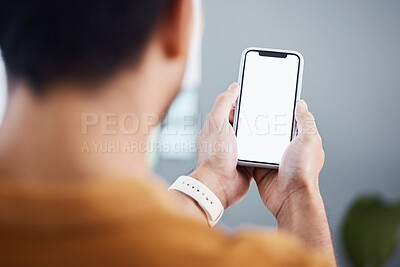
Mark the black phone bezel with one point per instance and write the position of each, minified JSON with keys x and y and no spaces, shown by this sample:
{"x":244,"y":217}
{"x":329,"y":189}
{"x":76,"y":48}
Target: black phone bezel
{"x":268,"y":53}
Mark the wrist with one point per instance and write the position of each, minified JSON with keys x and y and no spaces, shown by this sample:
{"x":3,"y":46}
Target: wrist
{"x":205,"y":198}
{"x":298,"y":203}
{"x":210,"y":179}
{"x":188,"y":205}
{"x":303,"y":214}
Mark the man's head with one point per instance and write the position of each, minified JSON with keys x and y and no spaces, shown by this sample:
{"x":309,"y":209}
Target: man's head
{"x":95,"y":42}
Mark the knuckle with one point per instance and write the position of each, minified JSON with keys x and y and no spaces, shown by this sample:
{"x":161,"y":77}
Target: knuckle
{"x":222,"y":97}
{"x":313,"y":139}
{"x":317,"y":139}
{"x":309,"y":117}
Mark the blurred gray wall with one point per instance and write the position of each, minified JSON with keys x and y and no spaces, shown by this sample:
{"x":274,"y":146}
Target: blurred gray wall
{"x":351,"y":83}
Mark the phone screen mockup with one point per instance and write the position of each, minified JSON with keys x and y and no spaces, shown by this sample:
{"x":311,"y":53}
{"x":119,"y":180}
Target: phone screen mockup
{"x":265,"y":116}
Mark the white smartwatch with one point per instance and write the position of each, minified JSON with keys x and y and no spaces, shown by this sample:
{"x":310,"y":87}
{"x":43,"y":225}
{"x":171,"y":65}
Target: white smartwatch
{"x":207,"y":200}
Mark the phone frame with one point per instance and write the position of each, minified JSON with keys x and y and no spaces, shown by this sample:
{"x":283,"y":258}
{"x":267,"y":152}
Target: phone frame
{"x":277,"y":53}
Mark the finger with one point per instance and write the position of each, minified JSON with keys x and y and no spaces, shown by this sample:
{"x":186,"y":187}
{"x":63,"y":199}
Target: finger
{"x":262,"y":175}
{"x":244,"y":173}
{"x":223,"y":104}
{"x":305,"y":120}
{"x":247,"y":170}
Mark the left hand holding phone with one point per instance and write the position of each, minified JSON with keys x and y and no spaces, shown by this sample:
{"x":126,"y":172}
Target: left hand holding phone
{"x":217,"y":153}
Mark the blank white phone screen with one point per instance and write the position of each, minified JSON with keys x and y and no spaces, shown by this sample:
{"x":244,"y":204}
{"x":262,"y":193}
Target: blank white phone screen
{"x":266,"y":106}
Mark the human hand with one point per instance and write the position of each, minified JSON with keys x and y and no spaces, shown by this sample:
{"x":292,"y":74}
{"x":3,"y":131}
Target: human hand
{"x":217,"y":153}
{"x":299,"y":168}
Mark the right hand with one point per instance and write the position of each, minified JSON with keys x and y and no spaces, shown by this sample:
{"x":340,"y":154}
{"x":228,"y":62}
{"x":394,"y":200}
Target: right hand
{"x":299,"y":168}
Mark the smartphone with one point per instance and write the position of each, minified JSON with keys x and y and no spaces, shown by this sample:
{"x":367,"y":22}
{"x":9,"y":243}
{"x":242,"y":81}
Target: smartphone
{"x":264,"y":123}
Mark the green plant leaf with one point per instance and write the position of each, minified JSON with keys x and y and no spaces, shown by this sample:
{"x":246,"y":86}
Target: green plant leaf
{"x":369,"y":231}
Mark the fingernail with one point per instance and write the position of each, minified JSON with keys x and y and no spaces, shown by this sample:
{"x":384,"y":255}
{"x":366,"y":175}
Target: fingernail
{"x":233,"y":86}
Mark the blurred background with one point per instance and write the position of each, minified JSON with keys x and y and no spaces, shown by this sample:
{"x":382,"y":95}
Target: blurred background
{"x":351,"y":84}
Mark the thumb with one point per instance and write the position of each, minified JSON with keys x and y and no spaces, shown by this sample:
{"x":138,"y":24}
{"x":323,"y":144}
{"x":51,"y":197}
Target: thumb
{"x":305,"y":120}
{"x":223,"y":104}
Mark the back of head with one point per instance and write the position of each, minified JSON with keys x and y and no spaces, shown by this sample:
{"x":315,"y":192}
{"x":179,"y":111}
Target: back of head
{"x":46,"y":41}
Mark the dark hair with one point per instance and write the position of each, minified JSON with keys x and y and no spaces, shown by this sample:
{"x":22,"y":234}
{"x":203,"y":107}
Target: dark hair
{"x":43,"y":41}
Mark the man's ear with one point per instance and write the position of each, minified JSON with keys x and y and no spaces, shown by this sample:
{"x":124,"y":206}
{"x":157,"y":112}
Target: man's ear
{"x":176,"y":28}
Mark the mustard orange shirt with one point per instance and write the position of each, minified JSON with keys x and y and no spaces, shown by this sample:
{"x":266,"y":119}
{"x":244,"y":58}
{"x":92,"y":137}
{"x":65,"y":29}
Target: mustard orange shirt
{"x":125,"y":222}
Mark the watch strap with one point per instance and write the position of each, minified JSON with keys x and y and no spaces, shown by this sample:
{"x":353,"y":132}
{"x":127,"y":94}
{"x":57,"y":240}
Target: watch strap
{"x":206,"y":199}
